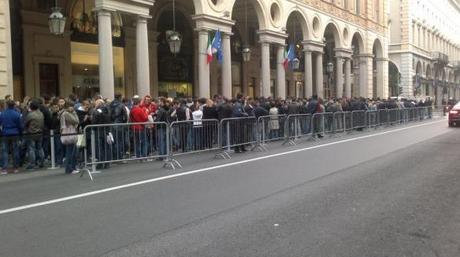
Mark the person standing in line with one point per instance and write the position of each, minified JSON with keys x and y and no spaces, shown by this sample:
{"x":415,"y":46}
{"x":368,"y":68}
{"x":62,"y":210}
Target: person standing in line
{"x":11,"y":123}
{"x":69,"y":123}
{"x":34,"y":125}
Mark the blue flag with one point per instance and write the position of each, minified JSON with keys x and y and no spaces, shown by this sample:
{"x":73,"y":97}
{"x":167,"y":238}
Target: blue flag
{"x":217,"y":46}
{"x":291,"y":52}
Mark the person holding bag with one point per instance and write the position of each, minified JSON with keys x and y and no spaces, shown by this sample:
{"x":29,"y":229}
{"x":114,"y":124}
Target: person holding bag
{"x":69,"y":123}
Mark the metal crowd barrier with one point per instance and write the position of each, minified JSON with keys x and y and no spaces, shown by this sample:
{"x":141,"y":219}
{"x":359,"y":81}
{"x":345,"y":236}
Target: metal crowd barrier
{"x":193,"y":136}
{"x":348,"y":121}
{"x":372,"y":118}
{"x":144,"y":141}
{"x":238,"y":132}
{"x":122,"y":142}
{"x":358,"y":120}
{"x":318,"y":125}
{"x":394,"y":116}
{"x":339,"y":122}
{"x":297,"y":126}
{"x":271,"y":128}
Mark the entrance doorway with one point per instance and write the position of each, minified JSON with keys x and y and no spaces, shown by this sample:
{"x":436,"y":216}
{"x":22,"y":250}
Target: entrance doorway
{"x":49,"y":79}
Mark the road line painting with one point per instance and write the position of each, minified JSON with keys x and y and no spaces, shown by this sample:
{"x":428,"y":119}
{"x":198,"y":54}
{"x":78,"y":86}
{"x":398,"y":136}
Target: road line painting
{"x":148,"y":181}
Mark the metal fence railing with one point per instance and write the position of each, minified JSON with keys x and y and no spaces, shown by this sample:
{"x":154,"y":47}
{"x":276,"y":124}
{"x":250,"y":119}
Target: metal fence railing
{"x":106,"y":144}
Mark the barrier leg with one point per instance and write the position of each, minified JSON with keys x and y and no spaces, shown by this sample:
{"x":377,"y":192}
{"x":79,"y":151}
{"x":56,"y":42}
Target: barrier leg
{"x":53,"y":151}
{"x":260,"y":142}
{"x":93,"y":153}
{"x":169,"y":161}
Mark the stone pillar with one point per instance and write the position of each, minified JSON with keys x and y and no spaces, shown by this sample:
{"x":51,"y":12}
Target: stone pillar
{"x":348,"y":77}
{"x":308,"y":81}
{"x":381,"y":64}
{"x":339,"y":79}
{"x":319,"y":74}
{"x":226,"y":66}
{"x":280,"y":73}
{"x":203,"y":66}
{"x":440,"y":95}
{"x":106,"y":74}
{"x":265,"y":72}
{"x":365,"y":77}
{"x":142,"y":57}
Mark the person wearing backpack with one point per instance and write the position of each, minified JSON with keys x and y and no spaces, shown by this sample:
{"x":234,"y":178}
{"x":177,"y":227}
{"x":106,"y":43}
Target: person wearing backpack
{"x":101,"y":115}
{"x":118,"y":115}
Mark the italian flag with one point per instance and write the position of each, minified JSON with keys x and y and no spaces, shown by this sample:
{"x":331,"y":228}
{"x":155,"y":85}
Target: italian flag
{"x":286,"y":59}
{"x":209,"y":52}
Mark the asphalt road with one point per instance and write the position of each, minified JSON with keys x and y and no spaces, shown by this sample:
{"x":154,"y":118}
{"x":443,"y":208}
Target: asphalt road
{"x":384,"y":193}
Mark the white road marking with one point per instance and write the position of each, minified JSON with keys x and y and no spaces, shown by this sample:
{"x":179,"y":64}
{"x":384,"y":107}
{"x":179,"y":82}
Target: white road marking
{"x":96,"y":192}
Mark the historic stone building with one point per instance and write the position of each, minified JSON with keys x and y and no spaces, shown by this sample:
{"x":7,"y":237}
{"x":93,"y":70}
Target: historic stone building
{"x":425,"y":48}
{"x":124,"y":46}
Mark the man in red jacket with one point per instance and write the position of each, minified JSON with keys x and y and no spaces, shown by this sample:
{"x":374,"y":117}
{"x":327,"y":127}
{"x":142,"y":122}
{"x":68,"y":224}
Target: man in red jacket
{"x":148,"y":105}
{"x":138,"y":115}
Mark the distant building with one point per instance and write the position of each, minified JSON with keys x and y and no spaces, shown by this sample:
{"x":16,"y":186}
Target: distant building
{"x":425,"y":48}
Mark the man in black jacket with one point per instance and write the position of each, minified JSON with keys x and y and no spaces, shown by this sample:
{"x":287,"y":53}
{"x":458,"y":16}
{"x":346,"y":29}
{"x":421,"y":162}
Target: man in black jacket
{"x":118,"y":115}
{"x":101,"y":115}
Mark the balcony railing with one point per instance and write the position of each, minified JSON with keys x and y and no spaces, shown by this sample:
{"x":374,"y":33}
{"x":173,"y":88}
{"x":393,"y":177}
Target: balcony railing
{"x":440,"y":57}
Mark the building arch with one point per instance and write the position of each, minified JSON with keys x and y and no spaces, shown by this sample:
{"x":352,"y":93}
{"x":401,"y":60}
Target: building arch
{"x":334,"y":28}
{"x":260,"y":9}
{"x":394,"y":79}
{"x":302,"y":19}
{"x":176,"y":73}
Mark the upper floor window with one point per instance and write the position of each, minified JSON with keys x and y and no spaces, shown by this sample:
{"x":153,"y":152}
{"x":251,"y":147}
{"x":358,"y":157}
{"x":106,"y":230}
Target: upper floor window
{"x":377,"y":10}
{"x":358,"y":6}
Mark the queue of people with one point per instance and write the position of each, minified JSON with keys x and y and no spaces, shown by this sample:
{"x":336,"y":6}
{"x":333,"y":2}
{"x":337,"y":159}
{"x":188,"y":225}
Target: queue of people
{"x":27,"y":126}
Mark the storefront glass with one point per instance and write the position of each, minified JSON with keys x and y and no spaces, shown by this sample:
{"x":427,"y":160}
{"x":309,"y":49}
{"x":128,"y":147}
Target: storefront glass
{"x":85,"y":69}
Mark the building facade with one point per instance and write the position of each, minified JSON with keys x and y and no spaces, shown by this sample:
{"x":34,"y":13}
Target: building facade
{"x":424,"y":48}
{"x":121,"y":46}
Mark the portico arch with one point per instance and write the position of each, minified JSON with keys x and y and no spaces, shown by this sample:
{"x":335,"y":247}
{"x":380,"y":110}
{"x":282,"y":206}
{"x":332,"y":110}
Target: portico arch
{"x":176,"y":73}
{"x":332,"y":66}
{"x":429,"y":82}
{"x":298,"y":32}
{"x":257,"y":6}
{"x":359,"y":87}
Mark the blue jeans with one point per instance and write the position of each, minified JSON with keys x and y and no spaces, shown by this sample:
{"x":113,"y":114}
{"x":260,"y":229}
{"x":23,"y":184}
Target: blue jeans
{"x":70,"y":158}
{"x":161,"y":140}
{"x":140,"y":141}
{"x":6,"y":143}
{"x":35,"y":151}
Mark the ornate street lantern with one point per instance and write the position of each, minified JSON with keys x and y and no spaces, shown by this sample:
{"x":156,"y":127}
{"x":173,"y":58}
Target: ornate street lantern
{"x":330,"y":68}
{"x":174,"y":40}
{"x":246,"y":51}
{"x":295,"y":63}
{"x":56,"y":21}
{"x":173,"y":37}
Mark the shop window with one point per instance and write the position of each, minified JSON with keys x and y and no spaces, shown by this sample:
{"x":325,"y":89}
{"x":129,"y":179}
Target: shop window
{"x":85,"y":69}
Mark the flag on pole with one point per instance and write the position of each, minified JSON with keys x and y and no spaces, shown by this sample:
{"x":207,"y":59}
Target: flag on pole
{"x":286,"y":60}
{"x":289,"y":56}
{"x":209,"y":51}
{"x":217,"y":46}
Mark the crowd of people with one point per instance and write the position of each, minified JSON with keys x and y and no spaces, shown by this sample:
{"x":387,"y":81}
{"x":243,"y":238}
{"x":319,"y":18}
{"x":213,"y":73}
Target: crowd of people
{"x":27,"y":126}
